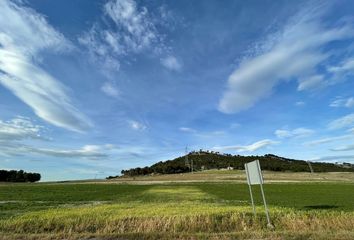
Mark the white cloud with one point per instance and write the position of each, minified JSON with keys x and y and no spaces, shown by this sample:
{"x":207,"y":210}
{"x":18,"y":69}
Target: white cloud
{"x":140,"y":30}
{"x":336,"y":158}
{"x":342,"y":102}
{"x":19,"y":128}
{"x":134,"y":31}
{"x":311,"y":82}
{"x":346,"y":67}
{"x":205,"y":134}
{"x":15,"y":132}
{"x":350,"y":102}
{"x":293,"y":53}
{"x":300,"y":103}
{"x":171,"y":63}
{"x":302,"y":132}
{"x":297,"y":133}
{"x":187,"y":129}
{"x":282,"y":133}
{"x":344,"y":148}
{"x":21,"y":42}
{"x":338,"y":102}
{"x":247,"y":148}
{"x":88,"y":151}
{"x":137,"y":125}
{"x":343,"y":122}
{"x":328,"y":140}
{"x":110,"y":89}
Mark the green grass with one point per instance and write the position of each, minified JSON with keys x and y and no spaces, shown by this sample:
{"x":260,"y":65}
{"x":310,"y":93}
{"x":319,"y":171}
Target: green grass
{"x":191,"y":209}
{"x":294,"y":195}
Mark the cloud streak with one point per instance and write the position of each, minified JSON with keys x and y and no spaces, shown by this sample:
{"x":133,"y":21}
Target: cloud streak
{"x":296,"y":133}
{"x":171,"y":63}
{"x":21,"y":42}
{"x":328,"y":140}
{"x":247,"y":148}
{"x":19,"y":128}
{"x":343,"y":148}
{"x":292,"y":53}
{"x":187,"y":130}
{"x":335,"y":158}
{"x":15,"y":132}
{"x":110,"y":90}
{"x":134,"y":31}
{"x":342,"y":102}
{"x":92,"y":152}
{"x":343,"y":122}
{"x":135,"y":125}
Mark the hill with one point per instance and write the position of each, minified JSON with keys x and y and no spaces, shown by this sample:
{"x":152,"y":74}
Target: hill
{"x":204,"y":160}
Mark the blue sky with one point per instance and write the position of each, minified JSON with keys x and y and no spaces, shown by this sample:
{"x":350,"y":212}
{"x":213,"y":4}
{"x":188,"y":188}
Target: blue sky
{"x":88,"y":88}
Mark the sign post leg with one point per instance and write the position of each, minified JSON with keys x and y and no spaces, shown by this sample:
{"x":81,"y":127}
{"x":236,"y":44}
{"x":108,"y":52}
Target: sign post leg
{"x":250,"y":188}
{"x":266,"y":208}
{"x":254,"y":209}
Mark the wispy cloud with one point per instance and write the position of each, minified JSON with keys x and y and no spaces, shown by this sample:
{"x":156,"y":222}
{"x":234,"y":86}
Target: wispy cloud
{"x":311,"y":82}
{"x":87,"y":151}
{"x":171,"y":63}
{"x":93,"y":152}
{"x":137,"y":125}
{"x":335,"y":158}
{"x":346,"y":67}
{"x":19,"y":128}
{"x":343,"y":122}
{"x":139,"y":30}
{"x":134,"y":31}
{"x":328,"y":140}
{"x":247,"y":148}
{"x":343,"y":148}
{"x":296,"y":133}
{"x":110,"y":89}
{"x":342,"y":102}
{"x":21,"y":42}
{"x":300,"y":104}
{"x":15,"y":132}
{"x":292,"y":53}
{"x":187,"y":129}
{"x":202,"y":134}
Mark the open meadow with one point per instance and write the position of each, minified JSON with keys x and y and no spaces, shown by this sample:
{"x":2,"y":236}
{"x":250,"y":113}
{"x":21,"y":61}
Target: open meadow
{"x":141,"y":119}
{"x":183,"y":210}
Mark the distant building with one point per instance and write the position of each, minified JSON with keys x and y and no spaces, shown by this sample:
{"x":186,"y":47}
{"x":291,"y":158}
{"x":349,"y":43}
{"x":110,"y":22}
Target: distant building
{"x":228,"y":168}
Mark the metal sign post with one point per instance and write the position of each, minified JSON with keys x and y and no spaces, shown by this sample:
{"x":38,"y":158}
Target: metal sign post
{"x":250,"y":188}
{"x":254,"y":177}
{"x":310,"y":166}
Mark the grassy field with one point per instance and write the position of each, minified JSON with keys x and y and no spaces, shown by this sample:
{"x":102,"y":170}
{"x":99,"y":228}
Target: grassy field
{"x":239,"y":176}
{"x":187,"y":210}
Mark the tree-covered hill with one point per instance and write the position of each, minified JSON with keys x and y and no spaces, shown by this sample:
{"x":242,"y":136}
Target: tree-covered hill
{"x":203,"y":160}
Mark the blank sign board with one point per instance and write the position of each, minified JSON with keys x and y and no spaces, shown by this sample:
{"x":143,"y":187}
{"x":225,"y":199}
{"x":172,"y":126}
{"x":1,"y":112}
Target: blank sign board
{"x":253,"y":172}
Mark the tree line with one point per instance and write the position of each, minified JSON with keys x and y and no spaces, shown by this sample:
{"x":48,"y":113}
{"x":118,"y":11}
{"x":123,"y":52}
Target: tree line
{"x":18,"y":176}
{"x":204,"y":160}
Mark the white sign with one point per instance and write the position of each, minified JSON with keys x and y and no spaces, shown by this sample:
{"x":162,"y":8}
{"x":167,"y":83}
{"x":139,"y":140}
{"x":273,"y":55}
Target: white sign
{"x":254,"y":176}
{"x":253,"y":172}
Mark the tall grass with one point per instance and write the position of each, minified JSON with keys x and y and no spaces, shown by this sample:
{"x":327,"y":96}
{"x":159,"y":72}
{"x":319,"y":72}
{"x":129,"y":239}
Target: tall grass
{"x":185,"y":211}
{"x":187,"y":217}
